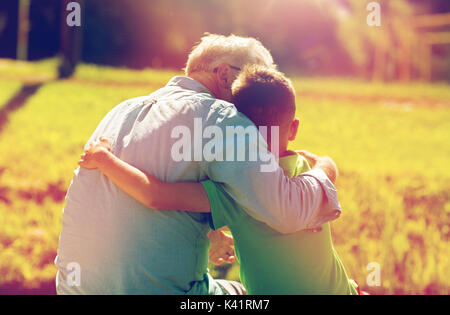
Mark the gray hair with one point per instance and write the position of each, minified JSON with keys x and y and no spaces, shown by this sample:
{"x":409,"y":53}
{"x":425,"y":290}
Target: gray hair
{"x":237,"y":51}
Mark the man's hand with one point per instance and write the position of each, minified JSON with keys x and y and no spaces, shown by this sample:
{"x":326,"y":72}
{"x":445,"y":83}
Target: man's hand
{"x":91,"y":157}
{"x":323,"y":162}
{"x":222,"y":248}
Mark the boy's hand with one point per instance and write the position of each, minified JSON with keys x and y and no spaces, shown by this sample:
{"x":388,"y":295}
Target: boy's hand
{"x":222,"y":248}
{"x":311,"y":157}
{"x":323,"y":162}
{"x":91,"y":157}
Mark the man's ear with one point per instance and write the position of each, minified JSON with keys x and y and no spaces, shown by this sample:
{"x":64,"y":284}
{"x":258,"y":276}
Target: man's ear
{"x":223,"y":76}
{"x":294,"y":129}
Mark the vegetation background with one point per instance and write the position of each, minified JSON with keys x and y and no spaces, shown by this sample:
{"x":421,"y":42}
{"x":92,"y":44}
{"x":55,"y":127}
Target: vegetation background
{"x":363,"y":98}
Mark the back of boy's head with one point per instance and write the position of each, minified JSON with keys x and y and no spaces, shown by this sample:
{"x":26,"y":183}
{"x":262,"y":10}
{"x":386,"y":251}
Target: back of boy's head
{"x":265,"y":96}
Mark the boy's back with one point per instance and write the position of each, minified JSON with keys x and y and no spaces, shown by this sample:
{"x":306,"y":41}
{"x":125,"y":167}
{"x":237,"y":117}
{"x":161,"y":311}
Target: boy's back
{"x":271,"y":263}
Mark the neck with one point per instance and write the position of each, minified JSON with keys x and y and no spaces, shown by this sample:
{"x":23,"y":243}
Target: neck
{"x":282,"y":152}
{"x":207,"y":80}
{"x":287,"y":153}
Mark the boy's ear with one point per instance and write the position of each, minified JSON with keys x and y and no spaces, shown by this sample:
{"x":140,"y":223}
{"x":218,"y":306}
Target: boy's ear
{"x":294,"y":129}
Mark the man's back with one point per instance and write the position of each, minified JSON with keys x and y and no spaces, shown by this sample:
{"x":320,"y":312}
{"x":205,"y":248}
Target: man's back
{"x":120,"y":245}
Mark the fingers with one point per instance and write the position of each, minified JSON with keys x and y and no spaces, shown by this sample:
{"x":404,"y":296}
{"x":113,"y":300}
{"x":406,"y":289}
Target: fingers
{"x":222,"y":255}
{"x":329,"y":167}
{"x":104,"y":140}
{"x":221,"y":250}
{"x":225,"y":255}
{"x":307,"y":154}
{"x":312,"y":158}
{"x":215,"y":258}
{"x":83,"y":156}
{"x":314,"y":229}
{"x":230,"y":259}
{"x":83,"y":159}
{"x":105,"y":143}
{"x":98,"y":144}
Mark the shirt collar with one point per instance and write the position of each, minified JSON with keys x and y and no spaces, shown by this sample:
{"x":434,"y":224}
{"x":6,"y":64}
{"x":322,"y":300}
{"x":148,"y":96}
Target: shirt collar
{"x":188,"y":84}
{"x":289,"y":164}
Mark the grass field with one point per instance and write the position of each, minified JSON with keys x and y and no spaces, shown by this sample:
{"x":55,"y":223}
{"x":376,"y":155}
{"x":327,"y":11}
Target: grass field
{"x":391,"y":143}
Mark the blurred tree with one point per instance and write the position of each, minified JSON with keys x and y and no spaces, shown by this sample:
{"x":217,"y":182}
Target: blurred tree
{"x":8,"y":28}
{"x":45,"y":16}
{"x":380,"y":53}
{"x":70,"y":42}
{"x":321,"y":37}
{"x":24,"y":28}
{"x":430,"y":6}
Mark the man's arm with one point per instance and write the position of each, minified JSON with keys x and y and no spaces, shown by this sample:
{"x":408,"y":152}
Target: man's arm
{"x":287,"y":205}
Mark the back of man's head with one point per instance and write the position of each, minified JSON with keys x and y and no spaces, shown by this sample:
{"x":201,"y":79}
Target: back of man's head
{"x":236,"y":51}
{"x":265,"y":96}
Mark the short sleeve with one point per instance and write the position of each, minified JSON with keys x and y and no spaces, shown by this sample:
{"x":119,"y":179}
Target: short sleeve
{"x":224,"y":210}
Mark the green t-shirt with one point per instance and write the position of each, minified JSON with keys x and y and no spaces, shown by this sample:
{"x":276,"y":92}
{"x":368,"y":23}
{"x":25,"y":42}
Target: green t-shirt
{"x":272,"y":263}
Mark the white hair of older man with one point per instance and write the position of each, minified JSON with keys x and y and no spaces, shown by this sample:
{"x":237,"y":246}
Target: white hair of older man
{"x":236,"y":51}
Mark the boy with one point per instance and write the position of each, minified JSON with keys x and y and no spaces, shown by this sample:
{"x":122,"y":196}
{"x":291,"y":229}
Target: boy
{"x":270,"y":263}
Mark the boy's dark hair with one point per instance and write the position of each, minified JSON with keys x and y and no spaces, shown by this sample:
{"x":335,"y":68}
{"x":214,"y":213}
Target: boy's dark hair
{"x":265,"y":96}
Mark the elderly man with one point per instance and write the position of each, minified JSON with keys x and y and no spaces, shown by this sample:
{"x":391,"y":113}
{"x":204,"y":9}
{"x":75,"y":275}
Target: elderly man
{"x":111,"y":244}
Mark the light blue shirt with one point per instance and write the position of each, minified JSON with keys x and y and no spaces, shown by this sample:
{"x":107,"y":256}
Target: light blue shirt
{"x":123,"y":247}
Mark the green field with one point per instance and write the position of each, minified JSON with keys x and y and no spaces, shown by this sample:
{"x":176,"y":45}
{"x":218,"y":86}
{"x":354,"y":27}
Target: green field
{"x":390,"y":142}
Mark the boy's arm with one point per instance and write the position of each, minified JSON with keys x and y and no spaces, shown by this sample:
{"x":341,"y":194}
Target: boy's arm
{"x":145,"y":188}
{"x":156,"y":194}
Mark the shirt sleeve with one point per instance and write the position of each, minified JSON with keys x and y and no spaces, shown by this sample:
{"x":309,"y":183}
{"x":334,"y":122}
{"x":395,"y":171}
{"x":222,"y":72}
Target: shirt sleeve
{"x":330,"y":209}
{"x":224,"y":210}
{"x":260,"y":186}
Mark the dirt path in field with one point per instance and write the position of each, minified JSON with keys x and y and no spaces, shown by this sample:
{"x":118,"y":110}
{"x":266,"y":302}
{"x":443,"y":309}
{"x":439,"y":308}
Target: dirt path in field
{"x":17,"y":101}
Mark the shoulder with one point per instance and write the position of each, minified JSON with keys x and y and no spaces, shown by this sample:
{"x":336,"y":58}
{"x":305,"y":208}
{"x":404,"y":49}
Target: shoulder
{"x":223,"y":113}
{"x":302,"y":164}
{"x":125,"y":106}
